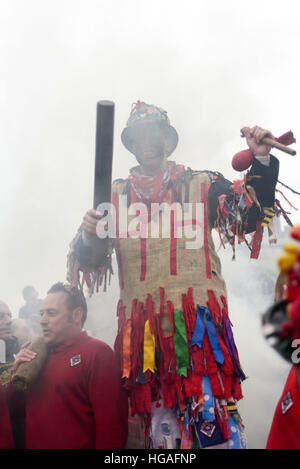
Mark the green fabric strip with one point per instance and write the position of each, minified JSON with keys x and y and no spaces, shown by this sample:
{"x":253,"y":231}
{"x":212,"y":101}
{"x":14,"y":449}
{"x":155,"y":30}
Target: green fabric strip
{"x":180,"y":343}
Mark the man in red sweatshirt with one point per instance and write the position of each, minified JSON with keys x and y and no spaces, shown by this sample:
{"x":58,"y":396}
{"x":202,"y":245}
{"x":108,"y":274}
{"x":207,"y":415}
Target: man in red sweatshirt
{"x":77,"y":402}
{"x":6,"y":436}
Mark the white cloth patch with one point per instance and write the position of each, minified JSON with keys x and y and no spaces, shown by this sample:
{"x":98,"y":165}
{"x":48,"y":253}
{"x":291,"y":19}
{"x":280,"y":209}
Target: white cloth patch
{"x":286,"y":403}
{"x":75,"y":360}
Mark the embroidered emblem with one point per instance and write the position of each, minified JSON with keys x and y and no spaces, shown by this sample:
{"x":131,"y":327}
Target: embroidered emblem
{"x":207,"y":428}
{"x":75,"y":360}
{"x":286,"y":403}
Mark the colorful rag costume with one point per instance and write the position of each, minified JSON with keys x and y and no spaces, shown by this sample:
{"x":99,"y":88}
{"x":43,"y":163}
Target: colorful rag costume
{"x":179,"y":360}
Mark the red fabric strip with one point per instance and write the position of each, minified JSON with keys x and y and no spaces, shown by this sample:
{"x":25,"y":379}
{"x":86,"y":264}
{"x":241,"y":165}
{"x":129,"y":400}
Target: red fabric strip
{"x":287,"y":138}
{"x":206,"y":247}
{"x":143,"y":259}
{"x":162,"y":301}
{"x":256,"y":241}
{"x":115,"y":201}
{"x":173,"y":248}
{"x":214,"y":307}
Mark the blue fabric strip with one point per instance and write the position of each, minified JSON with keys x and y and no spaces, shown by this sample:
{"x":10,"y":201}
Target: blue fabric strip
{"x":213,"y":338}
{"x":235,"y":441}
{"x":209,"y":401}
{"x":199,"y":330}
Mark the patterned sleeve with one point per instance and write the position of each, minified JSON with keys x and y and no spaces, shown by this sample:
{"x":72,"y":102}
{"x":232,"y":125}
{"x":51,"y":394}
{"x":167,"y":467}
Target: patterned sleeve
{"x":245,"y":206}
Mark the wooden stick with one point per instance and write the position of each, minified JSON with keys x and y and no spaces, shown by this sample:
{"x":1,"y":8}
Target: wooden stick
{"x":279,"y":146}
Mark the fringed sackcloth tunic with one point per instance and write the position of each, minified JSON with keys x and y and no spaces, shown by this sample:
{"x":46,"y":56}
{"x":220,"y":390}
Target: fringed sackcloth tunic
{"x":175,"y":340}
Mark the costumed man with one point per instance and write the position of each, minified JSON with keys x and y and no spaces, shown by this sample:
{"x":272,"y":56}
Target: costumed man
{"x":76,"y":400}
{"x":175,"y":342}
{"x":281,"y":326}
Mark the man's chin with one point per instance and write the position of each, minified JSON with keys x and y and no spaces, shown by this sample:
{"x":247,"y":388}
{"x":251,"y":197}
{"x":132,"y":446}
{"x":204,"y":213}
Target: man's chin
{"x":48,"y":338}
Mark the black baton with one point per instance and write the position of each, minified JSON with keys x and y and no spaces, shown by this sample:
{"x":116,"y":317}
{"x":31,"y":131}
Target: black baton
{"x":104,"y":152}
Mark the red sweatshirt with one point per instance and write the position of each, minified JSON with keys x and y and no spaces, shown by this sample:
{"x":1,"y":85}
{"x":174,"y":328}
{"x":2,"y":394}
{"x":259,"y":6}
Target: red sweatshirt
{"x":6,"y":436}
{"x":285,"y":429}
{"x":78,"y":401}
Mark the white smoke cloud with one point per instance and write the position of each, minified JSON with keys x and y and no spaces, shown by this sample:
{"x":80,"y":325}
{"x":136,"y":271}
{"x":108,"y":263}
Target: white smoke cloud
{"x":214,"y":66}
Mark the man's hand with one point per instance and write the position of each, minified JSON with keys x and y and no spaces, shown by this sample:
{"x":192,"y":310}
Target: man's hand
{"x":90,"y":220}
{"x":25,"y":355}
{"x":254,"y":137}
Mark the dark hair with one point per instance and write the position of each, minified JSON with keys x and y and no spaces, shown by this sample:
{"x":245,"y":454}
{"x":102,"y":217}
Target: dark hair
{"x":75,"y":297}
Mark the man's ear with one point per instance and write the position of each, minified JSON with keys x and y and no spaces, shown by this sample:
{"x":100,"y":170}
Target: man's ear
{"x":168,"y":146}
{"x":77,"y":315}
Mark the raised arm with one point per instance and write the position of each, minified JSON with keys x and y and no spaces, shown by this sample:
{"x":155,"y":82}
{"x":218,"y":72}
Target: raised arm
{"x":239,"y":208}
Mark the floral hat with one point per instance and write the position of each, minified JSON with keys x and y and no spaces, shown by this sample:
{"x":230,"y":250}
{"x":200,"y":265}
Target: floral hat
{"x":145,"y":114}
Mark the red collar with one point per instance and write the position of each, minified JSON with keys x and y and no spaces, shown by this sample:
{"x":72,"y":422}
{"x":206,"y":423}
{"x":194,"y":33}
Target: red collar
{"x":76,"y":340}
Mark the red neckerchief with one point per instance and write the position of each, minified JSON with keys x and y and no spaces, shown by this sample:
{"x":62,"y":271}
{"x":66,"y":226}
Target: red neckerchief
{"x":152,"y":189}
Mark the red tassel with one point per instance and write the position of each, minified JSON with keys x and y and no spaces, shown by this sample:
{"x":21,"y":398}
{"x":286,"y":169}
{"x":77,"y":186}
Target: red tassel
{"x":215,"y":385}
{"x":224,"y":427}
{"x":237,"y":389}
{"x":198,"y":360}
{"x":115,"y":201}
{"x":211,"y":364}
{"x":162,"y":301}
{"x":173,"y":248}
{"x":256,"y":241}
{"x":143,"y":258}
{"x":206,"y":247}
{"x":214,"y":307}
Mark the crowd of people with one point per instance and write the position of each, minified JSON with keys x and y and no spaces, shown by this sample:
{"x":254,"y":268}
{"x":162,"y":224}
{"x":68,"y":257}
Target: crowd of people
{"x":175,"y":367}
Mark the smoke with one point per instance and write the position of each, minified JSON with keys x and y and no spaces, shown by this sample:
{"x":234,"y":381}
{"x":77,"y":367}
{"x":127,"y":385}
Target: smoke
{"x":215,"y":67}
{"x":251,"y":288}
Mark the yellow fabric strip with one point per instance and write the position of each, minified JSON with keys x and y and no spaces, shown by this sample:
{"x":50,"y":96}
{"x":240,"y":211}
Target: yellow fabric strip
{"x":126,"y":349}
{"x":149,"y":349}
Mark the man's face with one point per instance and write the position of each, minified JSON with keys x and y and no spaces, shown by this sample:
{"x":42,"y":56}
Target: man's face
{"x":149,"y":146}
{"x":57,"y":321}
{"x":5,"y":321}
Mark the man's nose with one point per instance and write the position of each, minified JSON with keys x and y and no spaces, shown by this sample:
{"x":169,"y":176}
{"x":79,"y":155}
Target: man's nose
{"x":43,"y":319}
{"x":8,"y":319}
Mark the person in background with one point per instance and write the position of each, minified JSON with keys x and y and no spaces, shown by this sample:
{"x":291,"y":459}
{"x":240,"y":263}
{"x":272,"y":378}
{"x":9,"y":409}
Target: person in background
{"x":281,"y":326}
{"x":9,"y":347}
{"x":30,"y":311}
{"x":77,"y":402}
{"x":22,"y":331}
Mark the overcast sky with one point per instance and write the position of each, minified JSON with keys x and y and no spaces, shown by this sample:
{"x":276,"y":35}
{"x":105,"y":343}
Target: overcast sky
{"x":214,"y":66}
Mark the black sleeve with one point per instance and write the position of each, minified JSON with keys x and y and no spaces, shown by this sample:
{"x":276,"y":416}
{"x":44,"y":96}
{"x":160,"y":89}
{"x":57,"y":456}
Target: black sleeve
{"x":263,"y":179}
{"x":92,"y":256}
{"x":265,"y":184}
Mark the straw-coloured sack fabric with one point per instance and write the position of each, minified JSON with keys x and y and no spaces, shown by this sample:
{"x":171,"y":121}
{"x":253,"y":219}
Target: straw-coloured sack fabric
{"x":191,"y":264}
